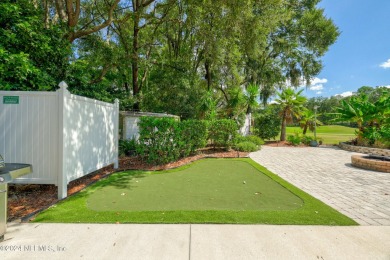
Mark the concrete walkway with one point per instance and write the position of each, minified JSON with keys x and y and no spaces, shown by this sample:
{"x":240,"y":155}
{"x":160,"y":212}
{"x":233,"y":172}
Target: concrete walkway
{"x":326,"y":173}
{"x":128,"y":241}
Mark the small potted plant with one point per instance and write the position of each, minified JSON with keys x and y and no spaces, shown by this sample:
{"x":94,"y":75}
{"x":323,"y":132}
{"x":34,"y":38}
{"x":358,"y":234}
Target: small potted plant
{"x":313,"y":143}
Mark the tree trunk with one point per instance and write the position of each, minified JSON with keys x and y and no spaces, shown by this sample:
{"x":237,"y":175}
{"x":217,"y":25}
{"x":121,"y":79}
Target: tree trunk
{"x":138,"y":6}
{"x":283,"y":133}
{"x":134,"y":63}
{"x":208,"y":75}
{"x":127,"y":89}
{"x":305,"y":129}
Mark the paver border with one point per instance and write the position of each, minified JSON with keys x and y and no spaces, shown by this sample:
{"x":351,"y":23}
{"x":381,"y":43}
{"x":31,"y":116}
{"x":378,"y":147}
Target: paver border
{"x":363,"y":149}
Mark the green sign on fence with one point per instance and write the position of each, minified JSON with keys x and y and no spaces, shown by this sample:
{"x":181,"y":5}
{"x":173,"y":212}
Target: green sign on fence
{"x":11,"y":100}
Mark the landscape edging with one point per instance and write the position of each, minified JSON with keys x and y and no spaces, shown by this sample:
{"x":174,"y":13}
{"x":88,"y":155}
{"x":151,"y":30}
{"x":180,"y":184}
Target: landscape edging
{"x":363,"y":149}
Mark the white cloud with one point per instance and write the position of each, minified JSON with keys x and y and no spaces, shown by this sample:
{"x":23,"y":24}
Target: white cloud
{"x":316,"y":81}
{"x":345,"y":94}
{"x":317,"y":84}
{"x":386,"y":64}
{"x":317,"y":87}
{"x":319,"y":92}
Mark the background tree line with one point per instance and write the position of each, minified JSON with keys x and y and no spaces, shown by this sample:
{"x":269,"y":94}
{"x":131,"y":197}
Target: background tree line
{"x":195,"y":59}
{"x":367,"y":110}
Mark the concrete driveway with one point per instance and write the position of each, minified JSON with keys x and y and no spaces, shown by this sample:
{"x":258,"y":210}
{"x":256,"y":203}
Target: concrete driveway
{"x":326,"y":173}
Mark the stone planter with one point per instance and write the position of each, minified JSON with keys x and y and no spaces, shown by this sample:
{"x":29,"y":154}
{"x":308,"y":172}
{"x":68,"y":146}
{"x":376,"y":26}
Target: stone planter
{"x":370,"y":164}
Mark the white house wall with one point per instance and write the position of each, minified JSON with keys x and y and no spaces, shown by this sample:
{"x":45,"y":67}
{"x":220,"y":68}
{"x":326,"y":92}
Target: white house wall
{"x":131,"y":129}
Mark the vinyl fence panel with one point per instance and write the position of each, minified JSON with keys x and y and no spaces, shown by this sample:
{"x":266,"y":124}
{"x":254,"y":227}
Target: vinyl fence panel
{"x":63,"y":136}
{"x":89,"y":135}
{"x":28,"y":134}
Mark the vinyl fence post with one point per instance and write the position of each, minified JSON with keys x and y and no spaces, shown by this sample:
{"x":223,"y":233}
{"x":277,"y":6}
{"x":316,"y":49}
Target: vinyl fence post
{"x":116,"y":133}
{"x":62,"y":183}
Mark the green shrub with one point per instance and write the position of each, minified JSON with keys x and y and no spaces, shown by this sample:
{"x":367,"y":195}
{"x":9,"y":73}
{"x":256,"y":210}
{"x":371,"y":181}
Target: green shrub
{"x":306,"y":139}
{"x":254,"y":139}
{"x":267,"y":123}
{"x":294,"y":139}
{"x":193,"y":135}
{"x":159,"y":140}
{"x":247,"y":147}
{"x":127,"y":147}
{"x":299,"y":138}
{"x":239,"y":139}
{"x":384,"y":141}
{"x":164,"y":140}
{"x":250,"y":138}
{"x":222,"y":132}
{"x":377,"y":136}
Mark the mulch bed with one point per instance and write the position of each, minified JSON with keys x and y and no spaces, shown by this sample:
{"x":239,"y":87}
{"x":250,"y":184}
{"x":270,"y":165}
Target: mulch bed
{"x":25,"y":200}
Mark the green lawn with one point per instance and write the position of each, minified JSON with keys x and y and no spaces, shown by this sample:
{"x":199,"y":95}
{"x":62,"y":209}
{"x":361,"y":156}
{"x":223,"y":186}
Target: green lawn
{"x":207,"y":191}
{"x":331,"y":134}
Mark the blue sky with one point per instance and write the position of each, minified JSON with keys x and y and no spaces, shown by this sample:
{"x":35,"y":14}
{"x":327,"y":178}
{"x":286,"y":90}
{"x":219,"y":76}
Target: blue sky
{"x":361,"y":55}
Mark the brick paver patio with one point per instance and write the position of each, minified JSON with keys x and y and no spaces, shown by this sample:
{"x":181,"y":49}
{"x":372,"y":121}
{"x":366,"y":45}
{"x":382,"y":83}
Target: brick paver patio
{"x":326,"y":173}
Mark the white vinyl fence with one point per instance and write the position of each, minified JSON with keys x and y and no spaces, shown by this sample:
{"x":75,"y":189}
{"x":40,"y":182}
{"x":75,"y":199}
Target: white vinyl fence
{"x":63,"y":136}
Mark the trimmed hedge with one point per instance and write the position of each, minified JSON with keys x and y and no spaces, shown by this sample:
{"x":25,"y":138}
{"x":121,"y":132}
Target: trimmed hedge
{"x":247,"y":147}
{"x":250,"y":138}
{"x":193,"y":135}
{"x":159,"y":140}
{"x":249,"y":143}
{"x":223,"y":132}
{"x":163,"y":140}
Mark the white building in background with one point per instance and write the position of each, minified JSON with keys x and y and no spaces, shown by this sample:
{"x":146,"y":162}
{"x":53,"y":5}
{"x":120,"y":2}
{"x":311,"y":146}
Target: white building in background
{"x":128,"y":124}
{"x":246,"y":128}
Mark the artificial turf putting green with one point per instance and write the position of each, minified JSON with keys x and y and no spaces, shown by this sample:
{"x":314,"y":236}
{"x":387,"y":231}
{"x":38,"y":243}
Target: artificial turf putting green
{"x":206,"y":185}
{"x":207,"y":191}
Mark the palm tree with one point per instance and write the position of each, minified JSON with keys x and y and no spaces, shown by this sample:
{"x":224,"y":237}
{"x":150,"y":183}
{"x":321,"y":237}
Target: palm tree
{"x":291,"y":104}
{"x":240,"y":101}
{"x":307,"y":121}
{"x":251,"y":95}
{"x":352,"y":111}
{"x":208,"y":106}
{"x":362,"y":112}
